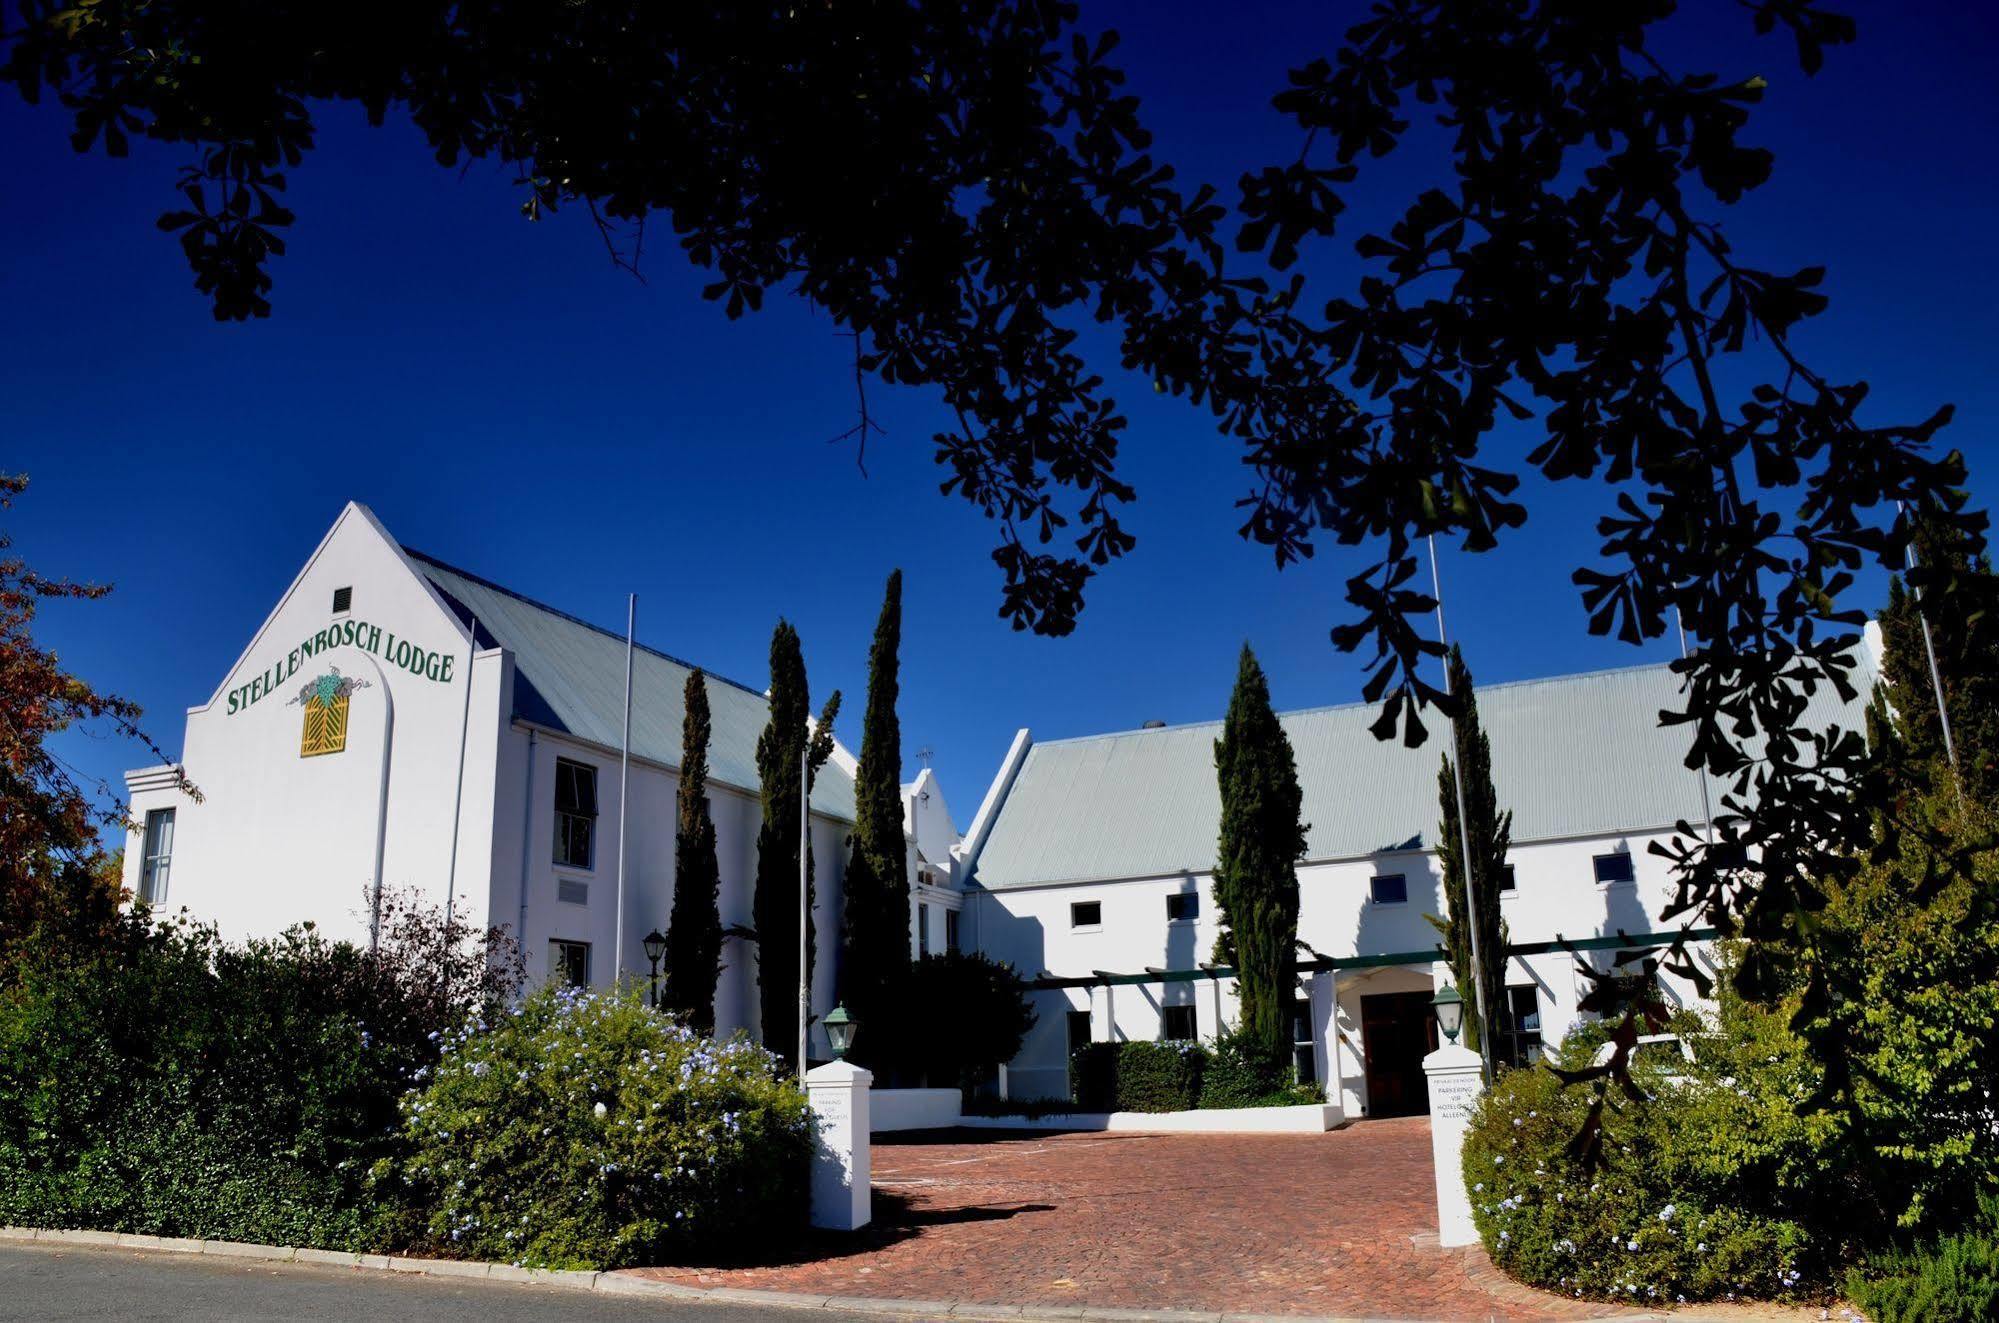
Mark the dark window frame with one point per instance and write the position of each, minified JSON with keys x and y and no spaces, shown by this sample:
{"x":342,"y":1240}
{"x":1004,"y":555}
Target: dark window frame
{"x":1374,"y":896}
{"x":1179,"y":1024}
{"x":562,"y":953}
{"x":1183,"y":906}
{"x":576,"y":814}
{"x":1621,"y":862}
{"x":1077,"y":909}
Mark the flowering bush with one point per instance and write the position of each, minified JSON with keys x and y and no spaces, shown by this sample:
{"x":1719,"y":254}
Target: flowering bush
{"x":1706,"y":1191}
{"x":586,"y":1131}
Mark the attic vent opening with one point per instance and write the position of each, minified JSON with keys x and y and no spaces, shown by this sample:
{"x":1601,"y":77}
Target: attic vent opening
{"x":343,"y":600}
{"x":1154,"y":724}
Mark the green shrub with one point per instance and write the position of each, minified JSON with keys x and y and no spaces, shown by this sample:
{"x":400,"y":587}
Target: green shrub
{"x":168,"y":1084}
{"x":1159,"y":1077}
{"x":1093,"y":1076}
{"x":1951,"y":1279}
{"x":585,"y":1131}
{"x":957,"y":1015}
{"x":1241,"y":1074}
{"x":1687,"y":1207}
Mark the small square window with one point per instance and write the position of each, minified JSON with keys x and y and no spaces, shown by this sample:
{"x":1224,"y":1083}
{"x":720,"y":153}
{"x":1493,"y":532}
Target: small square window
{"x":1507,"y":882}
{"x":1615,"y":867}
{"x":343,"y":600}
{"x":1388,"y":889}
{"x":1176,"y":1025}
{"x":1086,"y":914}
{"x":1182,"y":907}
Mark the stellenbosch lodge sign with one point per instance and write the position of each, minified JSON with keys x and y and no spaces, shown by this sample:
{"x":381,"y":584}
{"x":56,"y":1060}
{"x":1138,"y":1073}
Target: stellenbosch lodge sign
{"x":400,"y":653}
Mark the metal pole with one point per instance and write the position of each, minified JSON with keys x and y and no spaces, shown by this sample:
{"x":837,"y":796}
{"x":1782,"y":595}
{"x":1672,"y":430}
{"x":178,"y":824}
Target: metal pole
{"x":1464,"y":838}
{"x":624,"y":787}
{"x":1936,"y":676}
{"x":804,"y":899}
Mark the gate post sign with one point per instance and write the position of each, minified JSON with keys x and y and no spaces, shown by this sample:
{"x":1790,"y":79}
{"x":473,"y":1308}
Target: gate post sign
{"x":1455,"y":1084}
{"x":841,"y":1159}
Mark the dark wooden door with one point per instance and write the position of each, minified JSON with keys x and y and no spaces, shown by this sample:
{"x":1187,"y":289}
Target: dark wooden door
{"x":1396,"y":1033}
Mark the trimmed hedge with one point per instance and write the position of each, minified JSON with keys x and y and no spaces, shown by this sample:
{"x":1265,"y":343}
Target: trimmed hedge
{"x":163,"y":1083}
{"x":587,"y":1131}
{"x":1240,"y":1074}
{"x":1160,"y":1077}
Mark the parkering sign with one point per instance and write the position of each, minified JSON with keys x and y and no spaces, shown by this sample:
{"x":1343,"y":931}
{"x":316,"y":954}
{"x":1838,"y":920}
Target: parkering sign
{"x":400,"y":653}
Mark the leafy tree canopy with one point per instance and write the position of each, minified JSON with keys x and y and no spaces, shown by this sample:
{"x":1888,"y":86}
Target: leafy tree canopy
{"x":1566,"y":269}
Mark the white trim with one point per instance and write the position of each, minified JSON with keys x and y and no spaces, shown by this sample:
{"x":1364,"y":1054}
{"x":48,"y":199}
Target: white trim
{"x":966,"y":852}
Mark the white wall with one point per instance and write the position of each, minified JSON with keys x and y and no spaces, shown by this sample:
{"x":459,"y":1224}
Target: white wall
{"x":1556,"y":896}
{"x":277,"y":837}
{"x":280,"y":839}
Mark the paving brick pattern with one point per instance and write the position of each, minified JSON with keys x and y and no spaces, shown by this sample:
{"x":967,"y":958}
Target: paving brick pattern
{"x":1339,"y":1224}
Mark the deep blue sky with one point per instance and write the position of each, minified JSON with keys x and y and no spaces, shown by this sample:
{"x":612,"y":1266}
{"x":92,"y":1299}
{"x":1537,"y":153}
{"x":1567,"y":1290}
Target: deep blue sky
{"x":503,"y":398}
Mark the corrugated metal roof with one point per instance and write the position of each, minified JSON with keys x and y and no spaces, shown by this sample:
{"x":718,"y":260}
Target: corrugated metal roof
{"x":570,"y":676}
{"x":1576,"y":755}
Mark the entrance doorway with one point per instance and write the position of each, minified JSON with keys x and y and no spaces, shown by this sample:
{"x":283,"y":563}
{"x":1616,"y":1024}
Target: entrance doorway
{"x":1396,"y":1033}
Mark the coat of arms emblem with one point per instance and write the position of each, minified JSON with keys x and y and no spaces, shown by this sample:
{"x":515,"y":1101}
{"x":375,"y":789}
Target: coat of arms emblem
{"x":325,"y":702}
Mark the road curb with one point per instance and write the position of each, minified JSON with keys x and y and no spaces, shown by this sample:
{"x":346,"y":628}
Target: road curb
{"x":628,"y":1284}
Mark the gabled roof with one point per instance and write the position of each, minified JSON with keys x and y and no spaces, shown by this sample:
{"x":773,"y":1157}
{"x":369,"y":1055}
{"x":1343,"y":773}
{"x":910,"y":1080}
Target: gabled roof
{"x":1576,"y":755}
{"x":570,"y":676}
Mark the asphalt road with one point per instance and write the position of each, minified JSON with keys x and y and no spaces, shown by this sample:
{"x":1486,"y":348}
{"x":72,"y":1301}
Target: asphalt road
{"x":49,"y":1282}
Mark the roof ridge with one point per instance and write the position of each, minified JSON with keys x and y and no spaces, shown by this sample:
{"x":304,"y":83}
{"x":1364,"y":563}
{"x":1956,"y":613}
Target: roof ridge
{"x":1363,"y":704}
{"x":560,"y":614}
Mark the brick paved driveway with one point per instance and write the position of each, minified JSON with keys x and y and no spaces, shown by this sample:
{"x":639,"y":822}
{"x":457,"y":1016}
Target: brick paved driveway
{"x":1265,"y":1224}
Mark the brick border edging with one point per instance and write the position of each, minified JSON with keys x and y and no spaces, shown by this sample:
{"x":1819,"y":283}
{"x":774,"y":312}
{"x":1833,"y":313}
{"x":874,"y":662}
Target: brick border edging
{"x":623,"y":1283}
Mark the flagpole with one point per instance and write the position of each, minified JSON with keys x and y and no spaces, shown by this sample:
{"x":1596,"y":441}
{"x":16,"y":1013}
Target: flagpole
{"x":1464,"y":839}
{"x":1930,"y":648}
{"x":804,"y":898}
{"x":624,"y":787}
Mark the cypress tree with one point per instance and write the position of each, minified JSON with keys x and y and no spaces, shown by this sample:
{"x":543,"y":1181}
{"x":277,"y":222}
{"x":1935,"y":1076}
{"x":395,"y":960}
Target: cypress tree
{"x":1489,"y":833}
{"x":775,"y":905}
{"x":694,"y":933}
{"x":1963,"y":616}
{"x":1256,"y":874}
{"x":874,"y":932}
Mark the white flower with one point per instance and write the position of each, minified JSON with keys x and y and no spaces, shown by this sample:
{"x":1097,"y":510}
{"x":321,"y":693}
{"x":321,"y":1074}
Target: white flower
{"x":600,"y":1110}
{"x":1666,"y":1213}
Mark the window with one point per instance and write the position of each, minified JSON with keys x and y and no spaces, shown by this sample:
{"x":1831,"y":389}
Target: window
{"x":1176,"y":1025}
{"x":157,"y":861}
{"x":1507,"y":882}
{"x":1304,"y":1060}
{"x":1086,"y":914}
{"x":569,"y":963}
{"x":343,"y":600}
{"x":1388,"y":889}
{"x":1523,"y":1022}
{"x":950,"y":930}
{"x":1183,"y":907}
{"x":1079,"y":1031}
{"x":575,"y":812}
{"x":922,"y":931}
{"x":1615,"y":868}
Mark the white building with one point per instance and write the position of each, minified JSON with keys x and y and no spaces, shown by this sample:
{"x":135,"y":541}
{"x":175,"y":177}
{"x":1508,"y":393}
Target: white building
{"x":399,"y":720}
{"x":1090,"y":864}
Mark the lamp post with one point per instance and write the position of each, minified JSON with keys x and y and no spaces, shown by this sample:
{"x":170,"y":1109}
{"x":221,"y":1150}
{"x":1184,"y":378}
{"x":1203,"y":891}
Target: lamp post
{"x":840,"y":1028}
{"x":1450,"y":1011}
{"x":655,"y":945}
